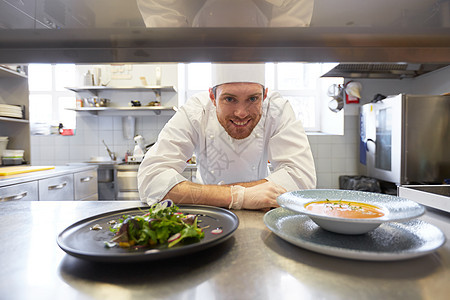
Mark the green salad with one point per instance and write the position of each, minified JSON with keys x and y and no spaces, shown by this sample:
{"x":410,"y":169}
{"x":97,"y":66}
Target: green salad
{"x":162,"y":226}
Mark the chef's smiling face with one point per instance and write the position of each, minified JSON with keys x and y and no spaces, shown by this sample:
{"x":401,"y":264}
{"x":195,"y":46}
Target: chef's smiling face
{"x":238,"y":107}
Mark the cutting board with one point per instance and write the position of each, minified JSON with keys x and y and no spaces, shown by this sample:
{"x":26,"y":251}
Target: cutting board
{"x":5,"y":171}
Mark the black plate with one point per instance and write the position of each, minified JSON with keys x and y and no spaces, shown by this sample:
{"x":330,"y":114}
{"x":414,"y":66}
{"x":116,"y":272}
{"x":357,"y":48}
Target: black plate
{"x":80,"y":241}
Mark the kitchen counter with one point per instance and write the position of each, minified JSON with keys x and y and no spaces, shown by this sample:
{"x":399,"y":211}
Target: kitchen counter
{"x":253,"y":264}
{"x":38,"y":175}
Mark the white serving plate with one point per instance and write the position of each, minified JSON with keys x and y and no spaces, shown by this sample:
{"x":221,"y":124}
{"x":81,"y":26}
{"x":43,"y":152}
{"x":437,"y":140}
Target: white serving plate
{"x":389,"y":242}
{"x":396,"y":208}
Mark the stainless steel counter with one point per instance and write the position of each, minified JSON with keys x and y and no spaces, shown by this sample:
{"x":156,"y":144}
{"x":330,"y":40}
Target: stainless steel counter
{"x":253,"y":264}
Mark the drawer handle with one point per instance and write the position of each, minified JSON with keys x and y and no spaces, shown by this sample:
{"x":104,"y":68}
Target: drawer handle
{"x":14,"y":197}
{"x":57,"y":187}
{"x":86,"y":179}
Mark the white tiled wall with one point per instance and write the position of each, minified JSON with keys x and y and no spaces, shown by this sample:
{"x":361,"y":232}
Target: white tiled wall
{"x":336,"y":155}
{"x":87,"y":141}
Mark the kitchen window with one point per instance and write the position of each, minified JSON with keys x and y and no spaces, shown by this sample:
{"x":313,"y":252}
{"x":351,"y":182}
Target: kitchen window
{"x":300,"y":83}
{"x":49,"y":98}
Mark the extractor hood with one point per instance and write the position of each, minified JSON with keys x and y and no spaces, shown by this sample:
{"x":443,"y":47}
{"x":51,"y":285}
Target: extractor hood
{"x":382,"y":70}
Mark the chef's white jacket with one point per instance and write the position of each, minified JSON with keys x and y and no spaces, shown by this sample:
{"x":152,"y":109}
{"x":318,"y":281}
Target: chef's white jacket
{"x":278,"y":137}
{"x":226,"y":13}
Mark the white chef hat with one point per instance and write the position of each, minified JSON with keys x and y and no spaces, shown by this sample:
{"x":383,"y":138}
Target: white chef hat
{"x":227,"y":73}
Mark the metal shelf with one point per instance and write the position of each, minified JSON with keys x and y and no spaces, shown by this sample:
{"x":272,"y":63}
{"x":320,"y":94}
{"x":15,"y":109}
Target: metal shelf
{"x":157,"y":89}
{"x":317,"y":43}
{"x":6,"y":72}
{"x":95,"y":110}
{"x":7,"y":119}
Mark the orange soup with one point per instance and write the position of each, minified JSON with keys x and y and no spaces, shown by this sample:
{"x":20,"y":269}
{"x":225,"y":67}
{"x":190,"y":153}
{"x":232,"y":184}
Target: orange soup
{"x":344,"y":209}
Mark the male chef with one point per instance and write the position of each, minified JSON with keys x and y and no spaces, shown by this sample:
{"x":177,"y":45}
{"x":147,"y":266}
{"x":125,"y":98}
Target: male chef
{"x":234,"y":130}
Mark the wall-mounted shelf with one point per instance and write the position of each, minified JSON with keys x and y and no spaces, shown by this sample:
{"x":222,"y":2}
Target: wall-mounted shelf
{"x":157,"y":89}
{"x":13,"y":120}
{"x":6,"y":72}
{"x":95,"y":110}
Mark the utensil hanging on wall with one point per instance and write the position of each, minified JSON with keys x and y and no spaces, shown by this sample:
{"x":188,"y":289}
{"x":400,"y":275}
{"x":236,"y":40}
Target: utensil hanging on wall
{"x":111,"y":154}
{"x":336,"y":92}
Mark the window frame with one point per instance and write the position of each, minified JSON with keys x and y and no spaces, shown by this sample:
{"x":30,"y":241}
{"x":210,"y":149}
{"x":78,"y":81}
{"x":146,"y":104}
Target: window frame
{"x":56,"y":104}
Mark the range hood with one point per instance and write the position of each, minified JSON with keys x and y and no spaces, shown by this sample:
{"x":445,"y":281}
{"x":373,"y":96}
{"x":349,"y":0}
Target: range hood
{"x":382,"y":70}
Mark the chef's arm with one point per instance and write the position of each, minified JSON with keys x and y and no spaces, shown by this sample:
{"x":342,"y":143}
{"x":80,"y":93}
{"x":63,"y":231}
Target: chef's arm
{"x":248,"y":184}
{"x":187,"y":192}
{"x":290,"y":153}
{"x":254,"y":196}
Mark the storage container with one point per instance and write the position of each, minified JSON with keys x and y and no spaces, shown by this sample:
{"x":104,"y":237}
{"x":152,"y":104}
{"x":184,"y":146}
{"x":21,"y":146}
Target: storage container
{"x":3,"y":144}
{"x":8,"y":153}
{"x":12,"y":157}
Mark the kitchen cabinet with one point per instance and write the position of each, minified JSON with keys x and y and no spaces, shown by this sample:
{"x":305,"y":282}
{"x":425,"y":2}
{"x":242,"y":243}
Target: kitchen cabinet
{"x":97,"y":91}
{"x":85,"y":185}
{"x":14,"y":90}
{"x":77,"y":186}
{"x":21,"y":191}
{"x":56,"y":188}
{"x":61,"y":183}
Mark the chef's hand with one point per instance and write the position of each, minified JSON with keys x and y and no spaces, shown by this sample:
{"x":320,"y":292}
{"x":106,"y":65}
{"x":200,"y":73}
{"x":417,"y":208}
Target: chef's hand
{"x":256,"y":197}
